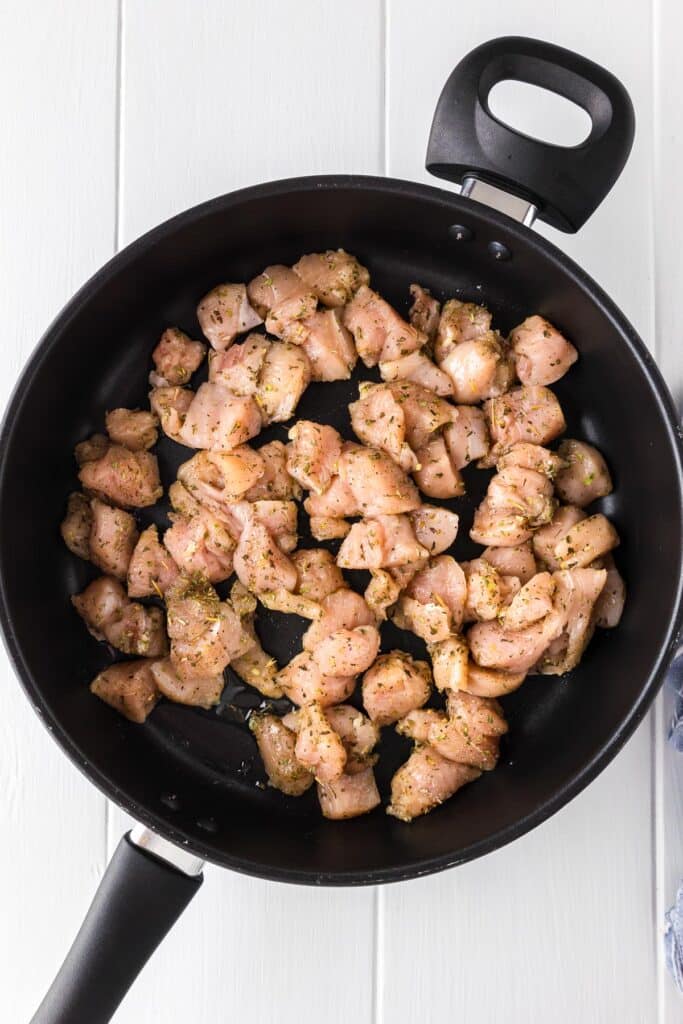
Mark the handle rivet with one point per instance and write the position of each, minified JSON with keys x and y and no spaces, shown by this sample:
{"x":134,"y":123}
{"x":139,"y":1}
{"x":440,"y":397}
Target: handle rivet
{"x":460,"y":233}
{"x":499,"y":251}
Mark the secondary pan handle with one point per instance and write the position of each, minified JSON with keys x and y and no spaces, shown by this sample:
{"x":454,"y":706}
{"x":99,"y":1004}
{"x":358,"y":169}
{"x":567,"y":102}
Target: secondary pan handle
{"x":565,"y":184}
{"x":138,"y":900}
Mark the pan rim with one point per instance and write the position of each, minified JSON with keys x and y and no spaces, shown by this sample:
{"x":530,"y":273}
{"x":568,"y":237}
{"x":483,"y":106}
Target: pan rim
{"x":622,"y":731}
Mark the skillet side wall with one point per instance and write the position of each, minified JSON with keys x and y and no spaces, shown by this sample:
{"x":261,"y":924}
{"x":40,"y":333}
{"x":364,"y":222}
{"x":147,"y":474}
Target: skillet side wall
{"x":96,"y":357}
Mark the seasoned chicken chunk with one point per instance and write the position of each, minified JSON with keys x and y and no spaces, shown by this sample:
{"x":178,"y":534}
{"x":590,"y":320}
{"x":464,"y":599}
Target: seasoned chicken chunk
{"x":151,"y":569}
{"x":425,"y":781}
{"x":218,"y":479}
{"x":133,"y":428}
{"x":478,"y":369}
{"x":275,"y":483}
{"x":113,"y":536}
{"x":347,"y":652}
{"x":303,"y":682}
{"x":205,"y":633}
{"x":260,"y":563}
{"x":224,"y":312}
{"x":130,"y":627}
{"x":542,"y":354}
{"x":516,"y":561}
{"x":358,"y":734}
{"x":219,"y":420}
{"x":255,"y":666}
{"x":459,"y":322}
{"x":75,"y":527}
{"x":548,"y":537}
{"x":274,"y":373}
{"x":91,"y":449}
{"x":313,"y":455}
{"x":381,"y":593}
{"x":425,"y":312}
{"x":343,"y":609}
{"x":472,"y":732}
{"x":435,"y":475}
{"x":532,"y":603}
{"x":349,"y":796}
{"x":491,"y":682}
{"x":201,"y":544}
{"x":586,"y":476}
{"x":276,"y":746}
{"x":196,"y":692}
{"x":484,"y":592}
{"x":532,"y":414}
{"x":378,"y":485}
{"x":318,"y":747}
{"x":395,"y":685}
{"x":328,"y":527}
{"x":467,"y":436}
{"x":379,"y":332}
{"x":317,"y":572}
{"x":170,"y":405}
{"x":334,"y":275}
{"x":175,"y":358}
{"x":587,"y":540}
{"x":523,"y":492}
{"x":576,"y":593}
{"x":239,"y":367}
{"x":380,"y":542}
{"x":435,"y":528}
{"x":450,"y":663}
{"x":532,"y":456}
{"x":420,"y":369}
{"x":433,"y":603}
{"x":281,"y":296}
{"x":513,"y":651}
{"x":609,"y":606}
{"x":328,"y":345}
{"x":123,"y":477}
{"x":128,"y":687}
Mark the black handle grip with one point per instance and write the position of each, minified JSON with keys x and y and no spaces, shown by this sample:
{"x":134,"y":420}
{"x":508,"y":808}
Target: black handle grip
{"x":566,"y":183}
{"x":138,"y":900}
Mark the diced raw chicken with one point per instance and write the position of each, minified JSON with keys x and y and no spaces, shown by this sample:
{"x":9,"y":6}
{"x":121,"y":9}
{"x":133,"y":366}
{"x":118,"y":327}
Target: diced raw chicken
{"x":285,"y":375}
{"x":532,"y":456}
{"x":484,"y":596}
{"x":334,"y":503}
{"x":313,"y":454}
{"x":225,"y":312}
{"x":435,"y":476}
{"x":358,"y":734}
{"x":130,"y":627}
{"x":290,"y":604}
{"x":494,"y":647}
{"x":201,"y":545}
{"x":276,"y":746}
{"x":218,"y":479}
{"x":379,"y":543}
{"x":416,"y":724}
{"x":318,"y":747}
{"x":610,"y":604}
{"x":425,"y":781}
{"x":205,"y":633}
{"x":113,"y":536}
{"x":433,"y":603}
{"x":499,"y":529}
{"x":471,"y":736}
{"x":420,"y":369}
{"x":450,"y":663}
{"x":533,"y":602}
{"x":342,"y":609}
{"x":530,"y":414}
{"x":219,"y":420}
{"x":175,"y":358}
{"x":460,"y":321}
{"x":347,"y":652}
{"x":381,"y":592}
{"x":317,"y":573}
{"x":395,"y":685}
{"x":275,"y":483}
{"x":587,"y":540}
{"x":255,"y":666}
{"x":378,"y":485}
{"x":435,"y":528}
{"x":516,"y":561}
{"x":151,"y":569}
{"x":349,"y":796}
{"x":467,"y":436}
{"x":302,"y":681}
{"x":196,"y":692}
{"x":491,"y":682}
{"x":379,"y":332}
{"x":281,"y":296}
{"x":523,"y":492}
{"x":129,"y":688}
{"x":328,"y":346}
{"x":170,"y":404}
{"x":577,"y":591}
{"x":425,"y":312}
{"x":239,"y":367}
{"x":133,"y":428}
{"x":75,"y":527}
{"x":260,"y":564}
{"x":328,"y":527}
{"x":542,"y":354}
{"x":378,"y":419}
{"x":548,"y":537}
{"x":91,"y":449}
{"x":123,"y":477}
{"x":334,"y":275}
{"x":586,"y":477}
{"x":478,"y":369}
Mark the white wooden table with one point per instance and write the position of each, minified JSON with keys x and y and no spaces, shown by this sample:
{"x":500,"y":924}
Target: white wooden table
{"x":116,"y":115}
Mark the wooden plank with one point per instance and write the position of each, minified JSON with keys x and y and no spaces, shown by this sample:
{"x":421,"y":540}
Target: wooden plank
{"x":558,"y":925}
{"x":235,"y":94}
{"x":57,"y":109}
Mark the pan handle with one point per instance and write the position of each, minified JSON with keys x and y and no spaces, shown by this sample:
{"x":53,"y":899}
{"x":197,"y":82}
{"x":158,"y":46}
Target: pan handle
{"x":565,"y":184}
{"x":138,"y":900}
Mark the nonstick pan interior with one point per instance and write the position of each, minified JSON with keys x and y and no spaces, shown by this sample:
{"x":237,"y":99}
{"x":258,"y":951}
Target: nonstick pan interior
{"x":195,"y":775}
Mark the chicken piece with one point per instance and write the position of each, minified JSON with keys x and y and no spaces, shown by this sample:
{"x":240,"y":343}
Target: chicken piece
{"x":416,"y":724}
{"x":275,"y":483}
{"x":499,"y":529}
{"x":420,"y":369}
{"x":151,"y":569}
{"x":472,"y":732}
{"x":130,"y":627}
{"x":133,"y":428}
{"x":379,"y":332}
{"x":239,"y":367}
{"x":531,"y":414}
{"x":225,"y":312}
{"x":542,"y":354}
{"x":303,"y":682}
{"x":129,"y":688}
{"x":523,"y":492}
{"x":328,"y":527}
{"x":113,"y":536}
{"x":318,"y":747}
{"x":276,"y":746}
{"x":75,"y":527}
{"x":395,"y":685}
{"x":349,"y":796}
{"x":478,"y":369}
{"x":609,"y":606}
{"x":196,"y":692}
{"x":347,"y":652}
{"x":219,"y":479}
{"x":435,"y":475}
{"x":533,"y":602}
{"x":342,"y":609}
{"x":586,"y":477}
{"x":92,"y":449}
{"x":425,"y":781}
{"x":285,"y":375}
{"x":381,"y":593}
{"x":532,"y":456}
{"x":425,"y":312}
{"x":328,"y":346}
{"x":201,"y":545}
{"x":313,"y":455}
{"x":433,"y":603}
{"x":379,"y":543}
{"x":333,"y":504}
{"x":285,"y":301}
{"x":587,"y":540}
{"x":334,"y":276}
{"x":577,"y":591}
{"x":484,"y":596}
{"x":259,"y":669}
{"x":317,"y":572}
{"x":175,"y":358}
{"x":435,"y":528}
{"x":284,"y":601}
{"x":548,"y":537}
{"x":278,"y":517}
{"x":459,"y":322}
{"x":205,"y":633}
{"x":259,"y":562}
{"x":378,"y":419}
{"x":494,"y":647}
{"x":491,"y":682}
{"x":450,"y":664}
{"x":359,"y":735}
{"x":170,"y":405}
{"x":467,"y":436}
{"x":123,"y":477}
{"x":219,"y":420}
{"x":516,"y":561}
{"x":378,"y":485}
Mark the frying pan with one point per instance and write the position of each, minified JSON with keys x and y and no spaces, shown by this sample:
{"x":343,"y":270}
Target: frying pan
{"x":192,"y":777}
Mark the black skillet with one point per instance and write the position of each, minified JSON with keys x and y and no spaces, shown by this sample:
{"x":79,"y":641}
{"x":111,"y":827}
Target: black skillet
{"x":192,"y":777}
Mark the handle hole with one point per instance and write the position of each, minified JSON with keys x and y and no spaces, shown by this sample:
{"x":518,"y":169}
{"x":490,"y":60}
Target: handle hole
{"x":539,"y":113}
